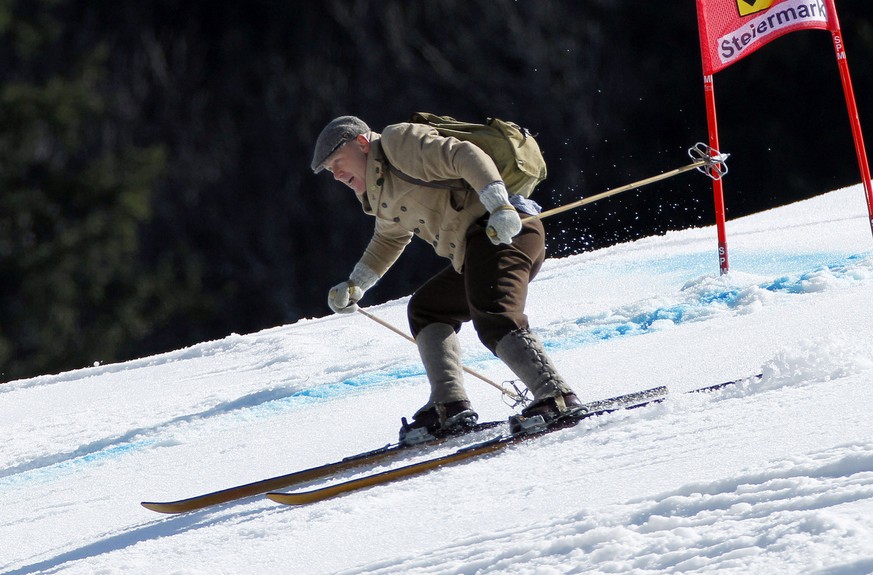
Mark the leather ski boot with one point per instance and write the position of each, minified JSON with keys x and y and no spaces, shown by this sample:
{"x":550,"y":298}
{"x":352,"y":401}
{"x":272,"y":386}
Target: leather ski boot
{"x":448,"y":409}
{"x":523,"y":352}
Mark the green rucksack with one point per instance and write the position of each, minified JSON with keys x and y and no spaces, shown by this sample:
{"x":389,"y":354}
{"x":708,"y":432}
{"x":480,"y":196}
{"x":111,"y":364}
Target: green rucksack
{"x":513,"y":149}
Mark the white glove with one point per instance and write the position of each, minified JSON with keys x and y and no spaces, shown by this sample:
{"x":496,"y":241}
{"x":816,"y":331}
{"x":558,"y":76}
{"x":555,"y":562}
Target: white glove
{"x":344,"y":297}
{"x":504,"y":222}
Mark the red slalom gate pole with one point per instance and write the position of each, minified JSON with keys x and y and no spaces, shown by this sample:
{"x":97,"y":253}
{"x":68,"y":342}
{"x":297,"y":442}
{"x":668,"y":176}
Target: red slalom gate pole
{"x":717,"y":186}
{"x":849,"y":93}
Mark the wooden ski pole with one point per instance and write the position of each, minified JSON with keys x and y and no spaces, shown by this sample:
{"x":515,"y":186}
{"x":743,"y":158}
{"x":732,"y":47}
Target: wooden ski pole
{"x":711,"y":164}
{"x":511,"y":394}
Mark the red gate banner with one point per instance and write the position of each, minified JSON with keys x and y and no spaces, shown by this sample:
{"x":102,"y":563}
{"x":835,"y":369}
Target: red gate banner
{"x":733,"y":29}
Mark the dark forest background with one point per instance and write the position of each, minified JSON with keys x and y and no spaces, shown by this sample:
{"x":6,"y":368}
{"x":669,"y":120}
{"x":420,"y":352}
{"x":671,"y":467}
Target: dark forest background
{"x":154,"y":180}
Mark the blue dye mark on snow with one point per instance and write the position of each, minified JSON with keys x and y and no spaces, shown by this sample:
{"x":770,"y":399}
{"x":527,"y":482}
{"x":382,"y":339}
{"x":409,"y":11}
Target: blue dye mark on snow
{"x":768,"y":263}
{"x":70,"y":464}
{"x":726,"y":297}
{"x":779,"y":263}
{"x":341,"y":388}
{"x":707,"y":298}
{"x":380,"y":377}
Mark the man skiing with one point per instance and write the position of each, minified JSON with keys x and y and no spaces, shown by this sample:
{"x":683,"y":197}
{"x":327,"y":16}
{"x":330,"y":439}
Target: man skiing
{"x":494,"y":254}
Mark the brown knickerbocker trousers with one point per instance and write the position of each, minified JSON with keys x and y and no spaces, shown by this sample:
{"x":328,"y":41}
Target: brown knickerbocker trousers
{"x":491,"y":291}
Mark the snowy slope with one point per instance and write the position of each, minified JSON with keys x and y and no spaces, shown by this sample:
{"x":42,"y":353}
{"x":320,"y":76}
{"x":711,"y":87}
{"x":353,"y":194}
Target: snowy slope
{"x":773,"y":476}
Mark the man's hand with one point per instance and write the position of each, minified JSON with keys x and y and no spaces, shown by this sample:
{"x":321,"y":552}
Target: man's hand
{"x":504,"y":223}
{"x":344,"y":297}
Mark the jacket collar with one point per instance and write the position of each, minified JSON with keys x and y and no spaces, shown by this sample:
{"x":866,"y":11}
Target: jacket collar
{"x":376,"y":170}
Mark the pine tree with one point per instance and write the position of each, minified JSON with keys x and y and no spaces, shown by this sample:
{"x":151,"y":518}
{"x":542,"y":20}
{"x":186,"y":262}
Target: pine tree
{"x":73,"y":199}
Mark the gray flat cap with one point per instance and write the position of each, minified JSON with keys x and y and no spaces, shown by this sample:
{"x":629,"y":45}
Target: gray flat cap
{"x":335,"y":134}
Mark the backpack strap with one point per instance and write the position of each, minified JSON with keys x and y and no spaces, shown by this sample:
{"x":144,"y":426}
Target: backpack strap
{"x":438,"y":184}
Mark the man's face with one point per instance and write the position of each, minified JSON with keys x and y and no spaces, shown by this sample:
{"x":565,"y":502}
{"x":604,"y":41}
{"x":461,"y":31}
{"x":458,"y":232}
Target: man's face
{"x":349,"y":164}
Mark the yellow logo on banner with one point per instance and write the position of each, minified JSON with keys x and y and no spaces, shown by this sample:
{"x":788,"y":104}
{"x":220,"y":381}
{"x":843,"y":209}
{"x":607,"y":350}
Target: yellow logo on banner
{"x":747,"y":7}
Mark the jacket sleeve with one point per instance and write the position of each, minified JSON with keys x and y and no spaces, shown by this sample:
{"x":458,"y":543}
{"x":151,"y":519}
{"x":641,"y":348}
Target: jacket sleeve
{"x":388,"y":242}
{"x":419,"y":151}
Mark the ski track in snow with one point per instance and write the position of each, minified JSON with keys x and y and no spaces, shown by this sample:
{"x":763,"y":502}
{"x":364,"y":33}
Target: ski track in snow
{"x":721,"y":527}
{"x":700,"y":299}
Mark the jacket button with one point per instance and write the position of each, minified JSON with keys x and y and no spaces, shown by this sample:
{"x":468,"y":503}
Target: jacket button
{"x":384,"y":205}
{"x":402,"y":208}
{"x":417,"y":230}
{"x":396,"y":219}
{"x":421,"y":221}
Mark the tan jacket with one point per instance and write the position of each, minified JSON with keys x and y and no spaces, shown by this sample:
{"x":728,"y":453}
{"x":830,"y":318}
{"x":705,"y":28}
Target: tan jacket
{"x":439,"y":216}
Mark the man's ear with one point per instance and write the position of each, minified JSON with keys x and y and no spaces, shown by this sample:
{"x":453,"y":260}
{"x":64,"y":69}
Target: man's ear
{"x":363,"y":143}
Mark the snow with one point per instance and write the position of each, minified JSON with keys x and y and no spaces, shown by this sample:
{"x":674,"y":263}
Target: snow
{"x":773,"y":475}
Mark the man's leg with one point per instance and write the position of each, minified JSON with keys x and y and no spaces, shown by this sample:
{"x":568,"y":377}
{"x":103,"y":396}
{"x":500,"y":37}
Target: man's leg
{"x":496,"y":279}
{"x":436,"y":311}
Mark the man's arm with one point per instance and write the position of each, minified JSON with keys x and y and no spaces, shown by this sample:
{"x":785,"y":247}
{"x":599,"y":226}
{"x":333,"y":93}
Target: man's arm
{"x":419,"y":151}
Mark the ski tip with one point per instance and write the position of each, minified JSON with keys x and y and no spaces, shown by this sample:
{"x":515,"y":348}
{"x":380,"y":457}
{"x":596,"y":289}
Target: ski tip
{"x":160,"y":507}
{"x":286,"y":498}
{"x":719,"y":386}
